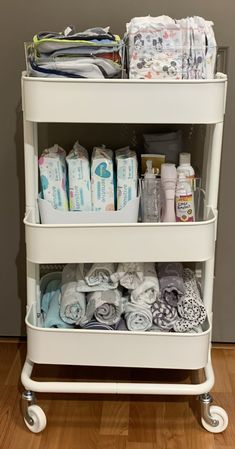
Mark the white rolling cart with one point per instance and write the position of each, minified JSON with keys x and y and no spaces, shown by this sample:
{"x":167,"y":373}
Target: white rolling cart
{"x":131,"y":102}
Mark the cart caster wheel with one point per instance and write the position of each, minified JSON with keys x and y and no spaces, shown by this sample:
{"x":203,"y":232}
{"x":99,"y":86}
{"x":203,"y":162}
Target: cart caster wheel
{"x":218,"y":414}
{"x":36,"y":420}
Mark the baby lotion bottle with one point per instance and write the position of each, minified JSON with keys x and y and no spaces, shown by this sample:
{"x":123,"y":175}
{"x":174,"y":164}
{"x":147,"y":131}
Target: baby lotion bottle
{"x":168,"y":183}
{"x":184,"y":200}
{"x":186,"y":167}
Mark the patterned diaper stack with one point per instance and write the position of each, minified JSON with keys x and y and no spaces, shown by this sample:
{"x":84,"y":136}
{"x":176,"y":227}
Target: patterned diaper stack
{"x":162,"y":48}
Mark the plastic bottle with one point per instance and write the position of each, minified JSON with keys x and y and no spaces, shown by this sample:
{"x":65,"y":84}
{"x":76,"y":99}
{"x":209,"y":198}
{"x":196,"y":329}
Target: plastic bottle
{"x":150,"y":195}
{"x":186,"y":167}
{"x":184,"y":203}
{"x":168,"y":183}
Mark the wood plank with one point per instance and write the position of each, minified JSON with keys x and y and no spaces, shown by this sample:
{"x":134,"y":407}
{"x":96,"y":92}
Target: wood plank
{"x":115,"y":418}
{"x":100,"y":421}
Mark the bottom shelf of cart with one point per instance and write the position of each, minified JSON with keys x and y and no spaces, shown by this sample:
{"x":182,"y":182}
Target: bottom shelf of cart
{"x":116,"y":348}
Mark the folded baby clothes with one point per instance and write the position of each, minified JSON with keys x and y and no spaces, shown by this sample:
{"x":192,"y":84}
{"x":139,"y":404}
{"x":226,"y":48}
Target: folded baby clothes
{"x":148,"y":291}
{"x":129,"y":274}
{"x":164,"y":315}
{"x":73,"y":302}
{"x":138,"y":317}
{"x":79,"y":178}
{"x":52,"y":167}
{"x":94,"y":53}
{"x":191,"y":309}
{"x":106,"y":307}
{"x":170,"y":276}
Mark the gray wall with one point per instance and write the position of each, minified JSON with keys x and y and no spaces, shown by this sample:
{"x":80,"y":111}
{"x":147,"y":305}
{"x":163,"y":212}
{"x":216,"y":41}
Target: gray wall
{"x":19,"y":21}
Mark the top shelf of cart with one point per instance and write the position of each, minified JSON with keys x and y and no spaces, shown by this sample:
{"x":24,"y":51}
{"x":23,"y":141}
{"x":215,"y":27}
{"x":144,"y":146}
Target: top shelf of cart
{"x":124,"y":100}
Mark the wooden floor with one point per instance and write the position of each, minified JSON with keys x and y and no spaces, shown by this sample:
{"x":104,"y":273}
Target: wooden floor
{"x":113,"y":422}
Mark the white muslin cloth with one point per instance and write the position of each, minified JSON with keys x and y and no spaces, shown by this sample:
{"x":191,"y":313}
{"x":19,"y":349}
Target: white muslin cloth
{"x":138,"y":317}
{"x":72,"y":303}
{"x":147,"y":292}
{"x":93,"y":277}
{"x":129,"y":274}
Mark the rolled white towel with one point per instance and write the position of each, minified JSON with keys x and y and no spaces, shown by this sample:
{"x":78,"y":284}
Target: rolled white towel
{"x":129,"y":274}
{"x":93,"y":277}
{"x":148,"y":291}
{"x":72,"y":304}
{"x":138,"y":317}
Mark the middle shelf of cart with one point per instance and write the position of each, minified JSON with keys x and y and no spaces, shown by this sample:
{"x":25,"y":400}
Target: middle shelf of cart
{"x":57,"y":243}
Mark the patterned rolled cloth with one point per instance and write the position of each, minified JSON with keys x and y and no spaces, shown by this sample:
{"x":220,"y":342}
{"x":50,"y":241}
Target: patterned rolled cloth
{"x":170,"y":276}
{"x":164,"y":315}
{"x":190,"y":307}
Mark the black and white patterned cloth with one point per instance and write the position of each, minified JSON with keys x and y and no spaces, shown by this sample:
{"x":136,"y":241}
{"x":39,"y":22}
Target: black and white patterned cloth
{"x":187,"y":314}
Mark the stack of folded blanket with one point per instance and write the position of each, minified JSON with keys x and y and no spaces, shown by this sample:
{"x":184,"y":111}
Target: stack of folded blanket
{"x":93,"y":53}
{"x":129,"y":296}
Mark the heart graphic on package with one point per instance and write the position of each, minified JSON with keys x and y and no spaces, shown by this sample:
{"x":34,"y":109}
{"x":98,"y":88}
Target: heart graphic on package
{"x":102,"y":171}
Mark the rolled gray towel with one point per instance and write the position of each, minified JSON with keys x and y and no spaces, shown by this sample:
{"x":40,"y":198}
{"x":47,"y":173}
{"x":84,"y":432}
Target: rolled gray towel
{"x":170,"y":276}
{"x":106,"y":306}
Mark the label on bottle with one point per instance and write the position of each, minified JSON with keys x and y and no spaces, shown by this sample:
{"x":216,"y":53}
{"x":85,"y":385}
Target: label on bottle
{"x":184,"y":208}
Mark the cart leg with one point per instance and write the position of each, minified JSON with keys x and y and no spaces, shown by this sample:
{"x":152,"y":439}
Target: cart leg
{"x":214,"y":418}
{"x":28,"y":398}
{"x":206,"y":400}
{"x":34,"y":416}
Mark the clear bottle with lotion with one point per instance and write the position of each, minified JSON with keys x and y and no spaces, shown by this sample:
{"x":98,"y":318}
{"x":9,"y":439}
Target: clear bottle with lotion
{"x":150,"y":195}
{"x":184,"y":200}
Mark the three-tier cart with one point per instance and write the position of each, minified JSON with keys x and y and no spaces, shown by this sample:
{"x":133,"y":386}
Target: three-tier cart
{"x":130,"y":102}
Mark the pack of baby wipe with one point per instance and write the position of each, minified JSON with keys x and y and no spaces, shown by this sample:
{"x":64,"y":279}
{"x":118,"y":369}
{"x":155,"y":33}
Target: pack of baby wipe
{"x":52,"y":167}
{"x":127,"y":176}
{"x":102,"y":184}
{"x":79,"y":179}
